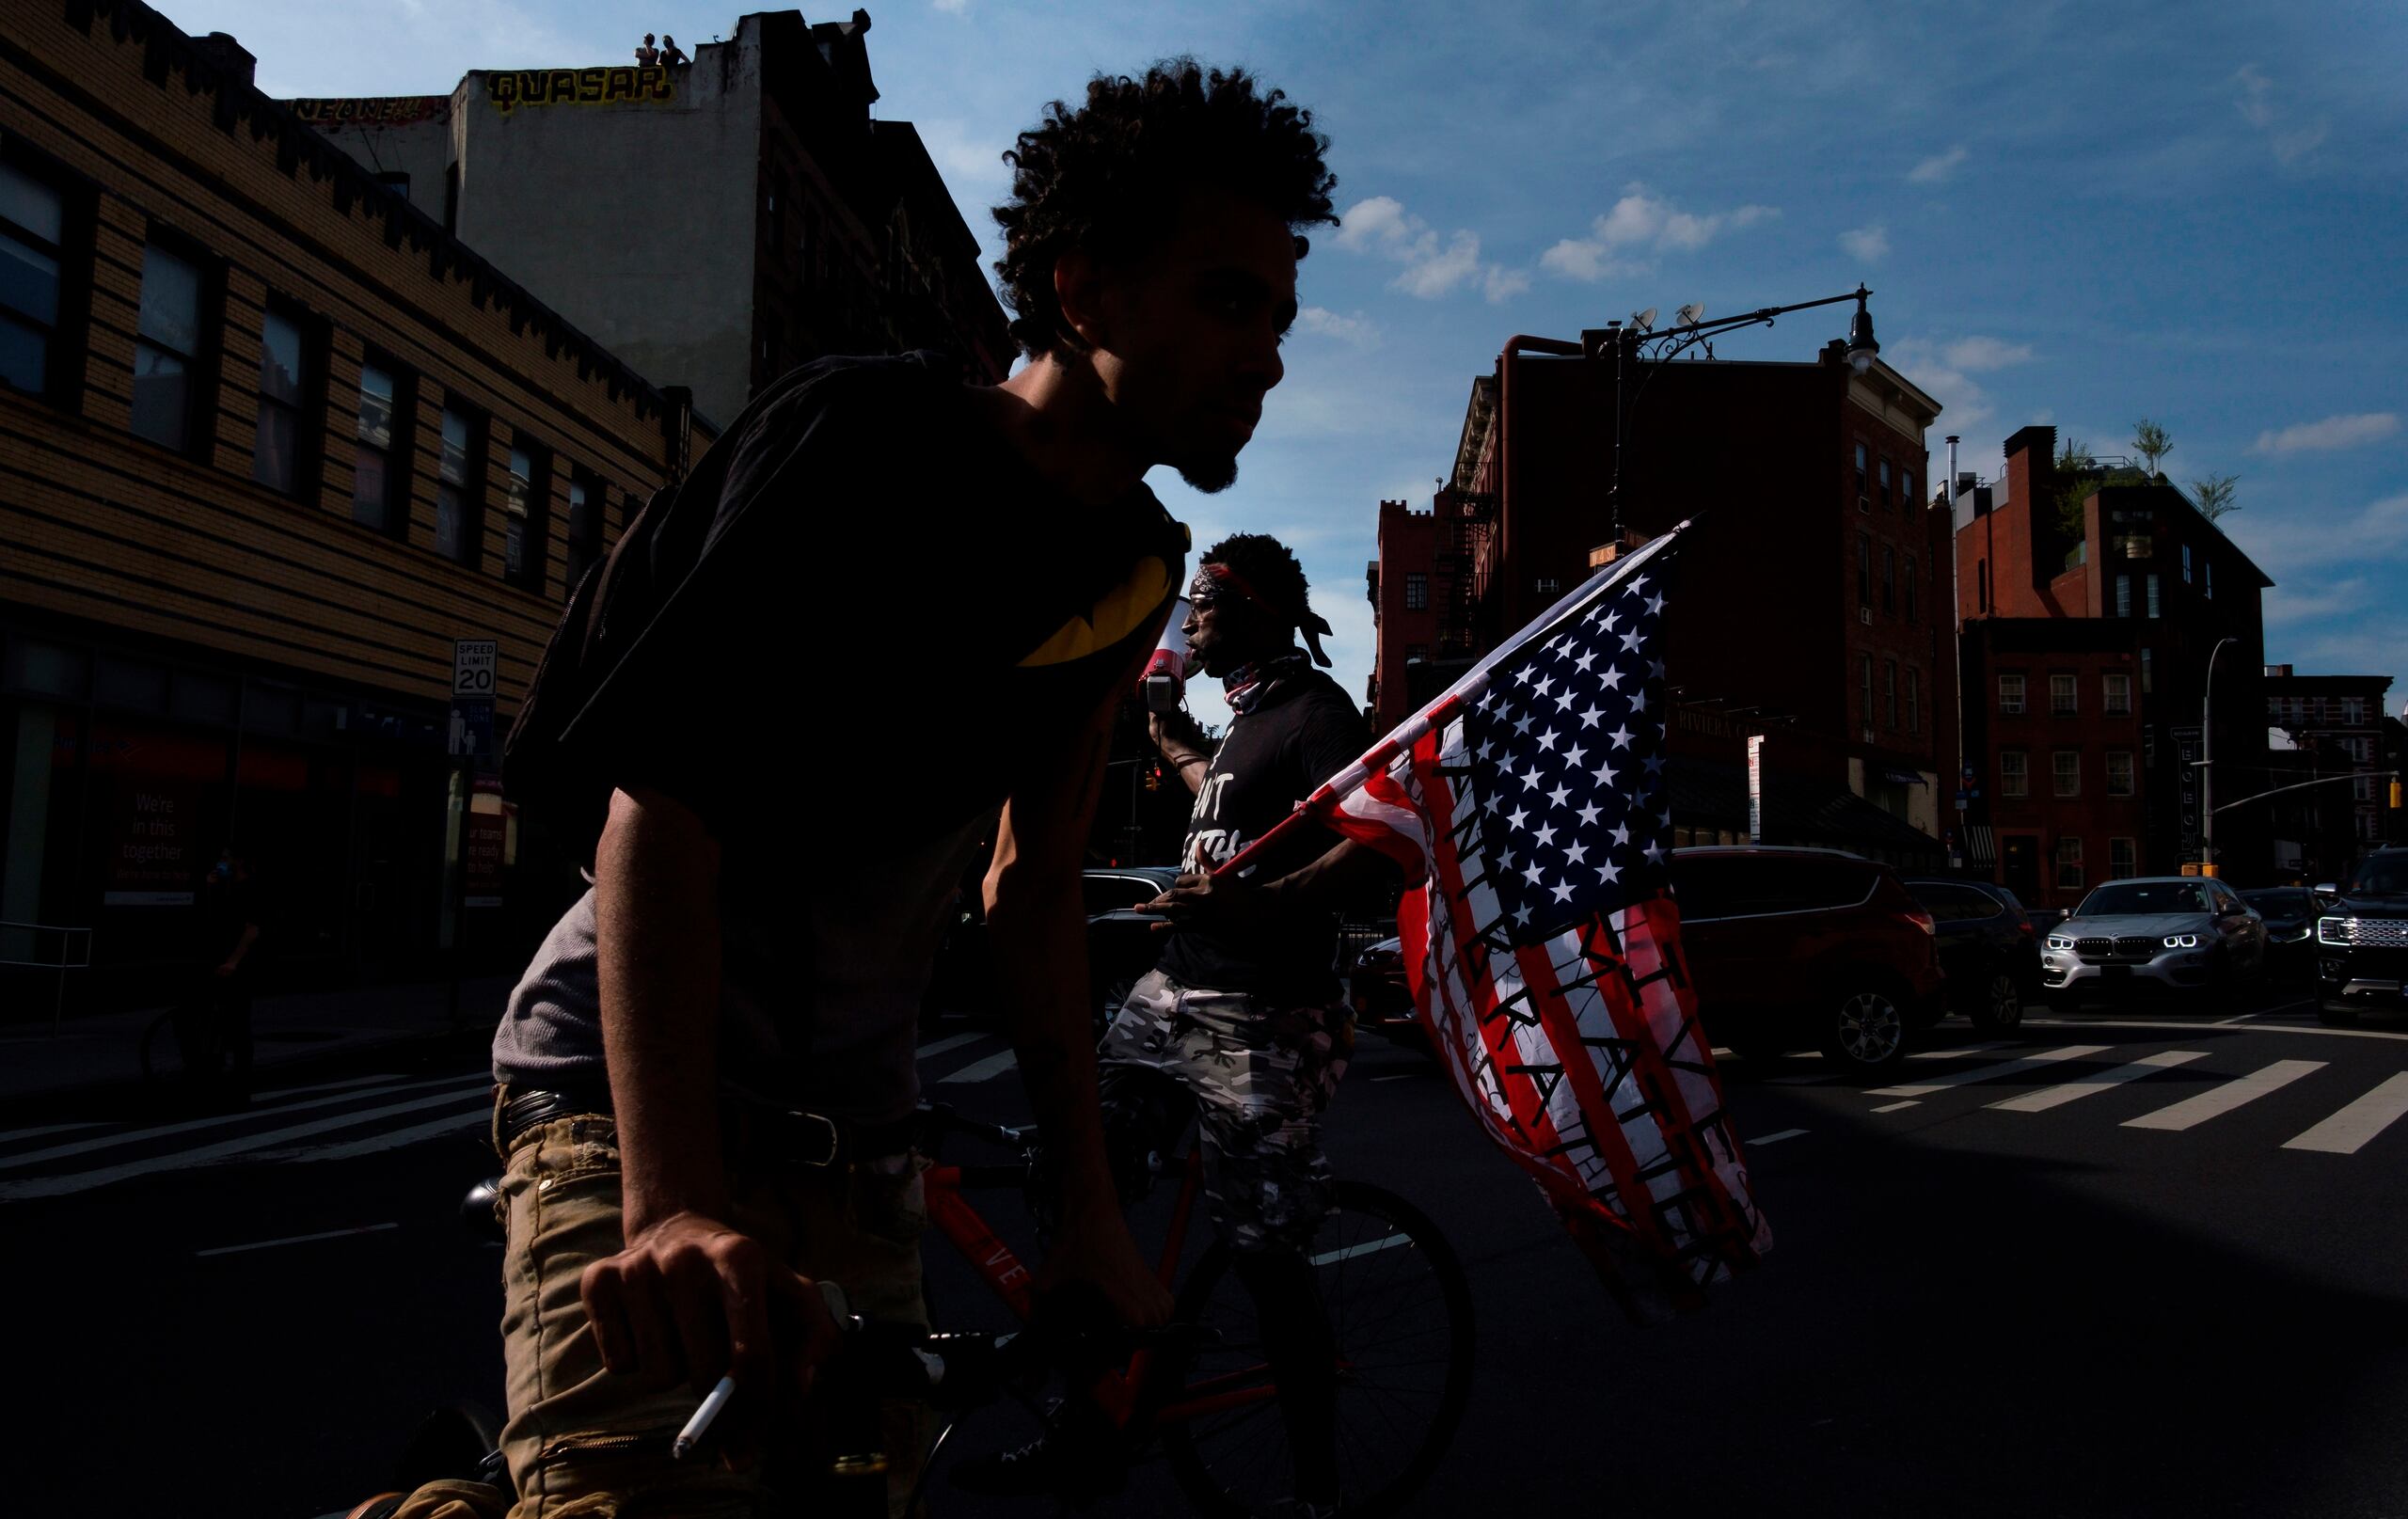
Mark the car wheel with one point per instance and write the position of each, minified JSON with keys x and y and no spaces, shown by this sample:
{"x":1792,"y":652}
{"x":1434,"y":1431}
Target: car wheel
{"x":1867,"y":1029}
{"x":2002,"y":1003}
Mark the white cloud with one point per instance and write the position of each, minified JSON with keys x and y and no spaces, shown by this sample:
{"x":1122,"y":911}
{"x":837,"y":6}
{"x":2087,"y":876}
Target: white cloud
{"x":966,"y":161}
{"x":1357,"y":331}
{"x":953,"y":7}
{"x":1964,"y":404}
{"x":1985,"y":354}
{"x":2255,"y":101}
{"x":1640,"y":223}
{"x":1938,"y":169}
{"x":2349,"y":431}
{"x":1383,"y":228}
{"x":1868,"y":245}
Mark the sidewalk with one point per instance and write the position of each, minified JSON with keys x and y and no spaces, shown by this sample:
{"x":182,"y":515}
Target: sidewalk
{"x":98,"y":1053}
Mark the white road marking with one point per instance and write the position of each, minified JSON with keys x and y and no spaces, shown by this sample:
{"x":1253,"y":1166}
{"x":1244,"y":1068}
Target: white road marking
{"x":2100,"y":1080}
{"x":1775,"y":1137}
{"x":59,"y":1186}
{"x":49,"y":1128}
{"x":1984,"y":1073}
{"x":2347,"y":1132}
{"x":2193,"y":1110}
{"x":1400,"y":1076}
{"x":1961,"y":1050}
{"x":472,"y":1120}
{"x":297,"y":1239}
{"x":327,"y":1086}
{"x":1331,"y":1257}
{"x":2316,"y":1029}
{"x":220,"y":1120}
{"x":1892,"y":1107}
{"x":987,"y":1070}
{"x":953,"y":1041}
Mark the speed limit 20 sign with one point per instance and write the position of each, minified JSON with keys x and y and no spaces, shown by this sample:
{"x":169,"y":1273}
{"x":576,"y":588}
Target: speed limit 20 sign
{"x":475,"y":664}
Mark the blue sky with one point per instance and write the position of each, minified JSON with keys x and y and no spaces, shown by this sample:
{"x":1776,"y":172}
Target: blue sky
{"x":2069,"y":215}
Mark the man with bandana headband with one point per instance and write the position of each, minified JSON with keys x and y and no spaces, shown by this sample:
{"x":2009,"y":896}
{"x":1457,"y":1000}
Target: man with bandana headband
{"x":1241,"y":1025}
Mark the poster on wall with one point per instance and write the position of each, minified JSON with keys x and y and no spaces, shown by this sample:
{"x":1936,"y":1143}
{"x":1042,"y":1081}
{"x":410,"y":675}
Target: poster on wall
{"x":151,"y":862}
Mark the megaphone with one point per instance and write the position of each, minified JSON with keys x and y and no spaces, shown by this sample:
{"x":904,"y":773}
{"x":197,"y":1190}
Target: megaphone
{"x":1164,"y":681}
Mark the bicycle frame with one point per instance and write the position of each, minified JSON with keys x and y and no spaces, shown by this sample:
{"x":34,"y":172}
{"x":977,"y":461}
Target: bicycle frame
{"x":1118,"y":1392}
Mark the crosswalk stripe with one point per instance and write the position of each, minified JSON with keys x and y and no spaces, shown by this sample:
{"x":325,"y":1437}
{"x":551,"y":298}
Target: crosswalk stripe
{"x":1775,"y":1138}
{"x":469,"y":1120}
{"x":326,"y":1086}
{"x":134,"y":1137}
{"x":1984,"y":1073}
{"x":2347,"y":1132}
{"x":59,"y":1186}
{"x":49,"y":1128}
{"x":993,"y":1065}
{"x":952,"y":1041}
{"x":2098,"y":1080}
{"x":2193,"y":1110}
{"x":1894,"y":1107}
{"x":1960,"y":1050}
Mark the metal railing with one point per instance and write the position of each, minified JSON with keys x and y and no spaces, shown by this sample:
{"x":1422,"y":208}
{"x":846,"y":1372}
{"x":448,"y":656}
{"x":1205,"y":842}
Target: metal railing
{"x":74,"y":953}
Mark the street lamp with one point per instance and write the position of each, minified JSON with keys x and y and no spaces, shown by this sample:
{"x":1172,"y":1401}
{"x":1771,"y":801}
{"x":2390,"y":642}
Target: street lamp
{"x":1629,"y":341}
{"x":2208,"y":758}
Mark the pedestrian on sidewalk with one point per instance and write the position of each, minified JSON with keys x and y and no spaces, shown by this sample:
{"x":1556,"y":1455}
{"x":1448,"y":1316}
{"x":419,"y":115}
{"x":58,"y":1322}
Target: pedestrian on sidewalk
{"x":708,"y":1077}
{"x":216,"y":1021}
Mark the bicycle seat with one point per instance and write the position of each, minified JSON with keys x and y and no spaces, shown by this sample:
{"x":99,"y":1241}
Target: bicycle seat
{"x":481,"y":1210}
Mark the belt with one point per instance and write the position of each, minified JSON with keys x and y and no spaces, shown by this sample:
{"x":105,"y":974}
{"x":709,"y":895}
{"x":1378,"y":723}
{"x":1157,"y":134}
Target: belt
{"x":790,"y":1135}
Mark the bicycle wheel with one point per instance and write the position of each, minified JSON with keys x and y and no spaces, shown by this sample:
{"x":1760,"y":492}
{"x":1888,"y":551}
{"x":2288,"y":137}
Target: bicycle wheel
{"x":1400,"y":1310}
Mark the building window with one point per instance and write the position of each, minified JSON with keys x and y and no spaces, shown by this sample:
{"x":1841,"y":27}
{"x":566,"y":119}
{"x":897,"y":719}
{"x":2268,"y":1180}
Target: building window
{"x":1907,"y":487}
{"x":2069,"y":864}
{"x":2362,"y":788}
{"x":1890,"y":690}
{"x":2119,"y":772}
{"x":1860,"y":470}
{"x":33,"y":227}
{"x":1863,"y":569}
{"x":2066,"y":771}
{"x":2207,"y":580}
{"x":1416,"y":651}
{"x":283,"y":452}
{"x":167,"y":350}
{"x":1885,"y":484}
{"x":526,"y":500}
{"x":1914,"y":701}
{"x":456,"y":490}
{"x":1550,"y":586}
{"x":1864,"y":678}
{"x":1889,"y":579}
{"x":2123,"y":595}
{"x":1417,"y":590}
{"x":2014,"y":773}
{"x":2115,"y":695}
{"x":2148,"y":672}
{"x":380,"y":477}
{"x":2010,"y":695}
{"x":2186,"y":563}
{"x":2062,"y":701}
{"x":2353,"y":710}
{"x":2123,"y":861}
{"x":585,"y":498}
{"x":2369,"y":828}
{"x":1914,"y":600}
{"x":2152,"y":594}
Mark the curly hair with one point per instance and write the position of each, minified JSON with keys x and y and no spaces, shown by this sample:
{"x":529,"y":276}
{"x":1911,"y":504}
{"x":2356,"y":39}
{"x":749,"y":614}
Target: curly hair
{"x":1108,"y":176}
{"x":1269,"y":566}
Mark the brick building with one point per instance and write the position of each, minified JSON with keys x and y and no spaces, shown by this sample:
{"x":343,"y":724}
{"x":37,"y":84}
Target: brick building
{"x":2086,"y":651}
{"x":1813,"y":608}
{"x":270,"y":440}
{"x":2341,"y":718}
{"x":716,"y":223}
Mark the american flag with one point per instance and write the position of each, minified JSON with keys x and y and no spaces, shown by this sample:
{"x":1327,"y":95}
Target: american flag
{"x":1543,"y":941}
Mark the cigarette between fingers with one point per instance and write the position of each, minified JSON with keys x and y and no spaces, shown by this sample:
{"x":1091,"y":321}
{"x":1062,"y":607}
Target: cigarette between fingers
{"x":700,"y":1425}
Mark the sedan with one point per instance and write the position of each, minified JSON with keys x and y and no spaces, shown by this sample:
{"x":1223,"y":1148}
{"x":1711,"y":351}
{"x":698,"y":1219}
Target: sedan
{"x":2183,"y":934}
{"x":2290,"y":913}
{"x":1380,"y":995}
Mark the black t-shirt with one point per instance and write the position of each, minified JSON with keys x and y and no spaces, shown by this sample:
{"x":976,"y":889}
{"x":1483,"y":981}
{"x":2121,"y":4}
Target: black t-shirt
{"x":1306,"y":730}
{"x":227,"y":908}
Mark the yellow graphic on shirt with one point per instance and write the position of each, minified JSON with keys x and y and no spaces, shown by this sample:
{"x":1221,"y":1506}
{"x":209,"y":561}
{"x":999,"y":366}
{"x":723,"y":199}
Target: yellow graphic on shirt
{"x":1119,"y":613}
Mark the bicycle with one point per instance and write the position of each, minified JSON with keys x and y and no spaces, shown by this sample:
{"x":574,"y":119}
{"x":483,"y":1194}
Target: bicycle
{"x":1399,"y":1306}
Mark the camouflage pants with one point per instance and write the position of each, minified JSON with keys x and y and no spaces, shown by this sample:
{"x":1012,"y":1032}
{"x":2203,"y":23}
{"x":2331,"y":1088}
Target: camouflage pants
{"x":1256,"y":1074}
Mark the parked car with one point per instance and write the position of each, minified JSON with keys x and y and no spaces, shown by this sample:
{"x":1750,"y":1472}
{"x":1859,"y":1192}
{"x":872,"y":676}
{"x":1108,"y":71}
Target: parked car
{"x":1794,"y":947}
{"x":2362,"y":943}
{"x":2290,"y":913}
{"x":1988,"y":950}
{"x":1381,"y":996}
{"x":2183,"y":934}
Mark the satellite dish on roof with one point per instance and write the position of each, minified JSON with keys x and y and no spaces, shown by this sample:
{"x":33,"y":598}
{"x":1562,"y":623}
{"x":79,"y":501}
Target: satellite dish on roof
{"x":1644,"y":321}
{"x":1694,"y":311}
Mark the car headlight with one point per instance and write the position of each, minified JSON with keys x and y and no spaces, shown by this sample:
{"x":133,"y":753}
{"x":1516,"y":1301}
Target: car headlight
{"x":2336,"y":930}
{"x":2061,"y":944}
{"x":2292,"y":936}
{"x":2181,"y":941}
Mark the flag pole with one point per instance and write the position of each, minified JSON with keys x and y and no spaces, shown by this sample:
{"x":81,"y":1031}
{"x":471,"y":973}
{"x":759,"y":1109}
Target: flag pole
{"x":1470,"y":684}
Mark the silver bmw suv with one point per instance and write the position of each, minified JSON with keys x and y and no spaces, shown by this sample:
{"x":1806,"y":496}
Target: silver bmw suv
{"x":2157,"y":933}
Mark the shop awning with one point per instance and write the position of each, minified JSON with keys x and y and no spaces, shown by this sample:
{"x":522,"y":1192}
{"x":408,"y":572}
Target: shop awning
{"x":1904,"y":778}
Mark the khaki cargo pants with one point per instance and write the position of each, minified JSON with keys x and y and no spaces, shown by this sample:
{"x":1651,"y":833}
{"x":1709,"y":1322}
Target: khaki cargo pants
{"x":582,"y":1441}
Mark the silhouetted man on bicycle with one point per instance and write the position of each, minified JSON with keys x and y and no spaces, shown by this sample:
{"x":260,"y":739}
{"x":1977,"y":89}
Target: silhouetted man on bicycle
{"x":1242,"y":1026}
{"x":706,"y":1075}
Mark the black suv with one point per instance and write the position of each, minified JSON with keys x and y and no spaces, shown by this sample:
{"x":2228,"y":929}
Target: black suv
{"x":1988,"y":950}
{"x":2362,"y":941}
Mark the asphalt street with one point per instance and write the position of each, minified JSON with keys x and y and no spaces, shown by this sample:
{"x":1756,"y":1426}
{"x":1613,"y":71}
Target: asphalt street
{"x":2110,"y":1265}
